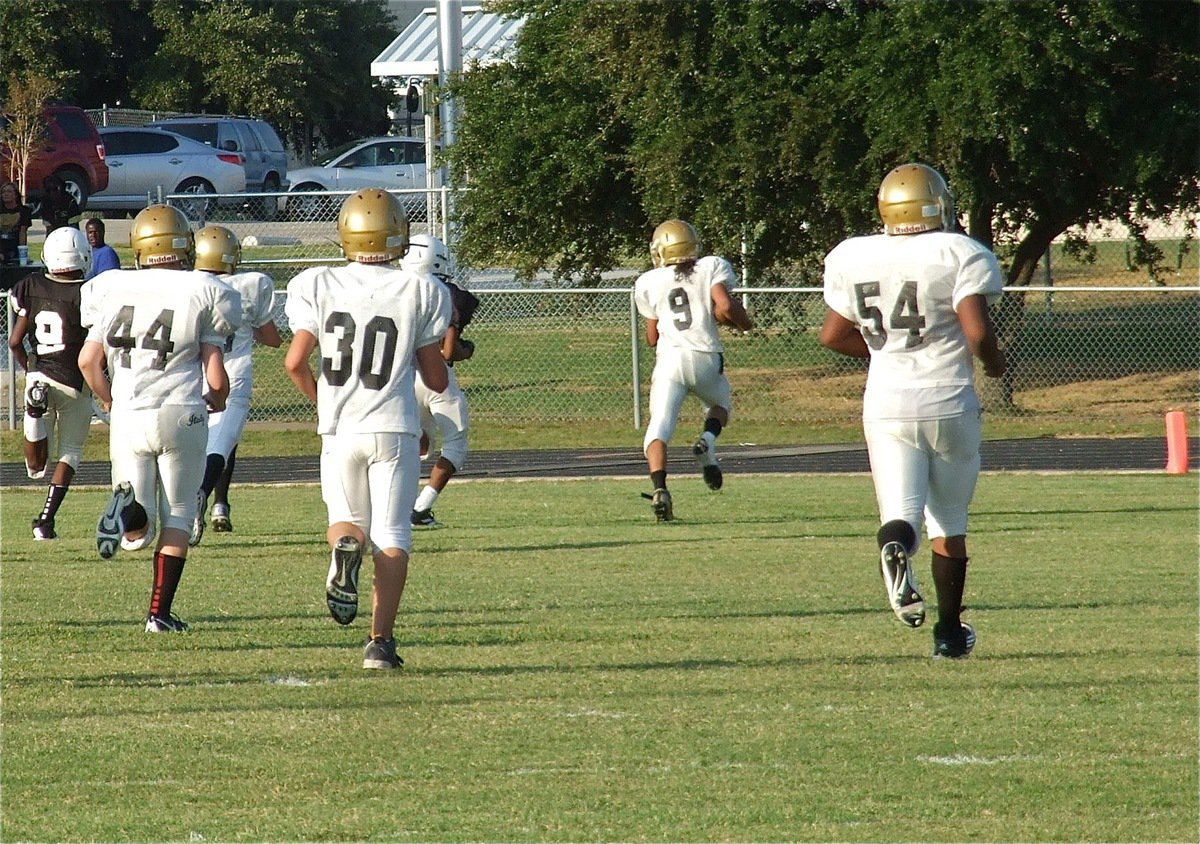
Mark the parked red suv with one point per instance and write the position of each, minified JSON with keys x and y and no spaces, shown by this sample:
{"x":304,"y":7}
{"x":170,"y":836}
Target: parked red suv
{"x":72,"y":150}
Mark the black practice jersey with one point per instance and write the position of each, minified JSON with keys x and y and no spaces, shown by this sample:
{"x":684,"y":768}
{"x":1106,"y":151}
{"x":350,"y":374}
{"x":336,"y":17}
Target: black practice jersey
{"x":55,"y":332}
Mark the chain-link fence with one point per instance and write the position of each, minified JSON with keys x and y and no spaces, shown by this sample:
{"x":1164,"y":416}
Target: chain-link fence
{"x":1100,"y":348}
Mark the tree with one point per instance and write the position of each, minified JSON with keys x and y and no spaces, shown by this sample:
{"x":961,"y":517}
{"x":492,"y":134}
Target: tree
{"x":771,"y":123}
{"x":25,"y":126}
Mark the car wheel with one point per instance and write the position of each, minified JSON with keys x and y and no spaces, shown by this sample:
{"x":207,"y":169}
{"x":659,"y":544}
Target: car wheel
{"x":267,"y":208}
{"x":301,"y":208}
{"x":195,"y":209}
{"x":77,"y":185}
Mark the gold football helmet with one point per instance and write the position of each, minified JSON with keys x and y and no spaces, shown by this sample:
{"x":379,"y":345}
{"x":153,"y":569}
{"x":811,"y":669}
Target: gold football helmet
{"x":673,"y":243}
{"x":914,"y":198}
{"x":161,"y":235}
{"x":373,"y":227}
{"x":217,"y":250}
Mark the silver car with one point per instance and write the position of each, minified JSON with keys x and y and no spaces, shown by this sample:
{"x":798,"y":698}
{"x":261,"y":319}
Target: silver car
{"x":392,"y":163}
{"x":147,"y":164}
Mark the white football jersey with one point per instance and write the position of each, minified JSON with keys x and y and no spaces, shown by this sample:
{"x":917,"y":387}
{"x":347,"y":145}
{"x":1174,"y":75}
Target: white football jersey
{"x":682,"y":304}
{"x":903,"y":292}
{"x":369,"y":320}
{"x":151,"y":323}
{"x":258,"y":297}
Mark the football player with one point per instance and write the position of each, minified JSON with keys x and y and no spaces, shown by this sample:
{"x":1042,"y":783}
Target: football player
{"x":915,"y":301}
{"x":219,"y":252}
{"x":161,"y":330}
{"x":47,"y":309}
{"x":445,"y":413}
{"x":373,"y":326}
{"x":683,"y":299}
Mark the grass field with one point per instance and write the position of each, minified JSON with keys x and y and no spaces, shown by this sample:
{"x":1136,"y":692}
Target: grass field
{"x":576,"y":672}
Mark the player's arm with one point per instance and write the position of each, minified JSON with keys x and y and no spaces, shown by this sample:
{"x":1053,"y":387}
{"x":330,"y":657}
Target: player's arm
{"x":297,"y":366}
{"x":432,"y":367}
{"x":842,"y":336}
{"x":16,"y":341}
{"x":213,"y":358}
{"x":91,"y":365}
{"x":728,"y":310}
{"x":652,"y":332}
{"x":454,"y":347}
{"x":268,"y":335}
{"x":981,"y":337}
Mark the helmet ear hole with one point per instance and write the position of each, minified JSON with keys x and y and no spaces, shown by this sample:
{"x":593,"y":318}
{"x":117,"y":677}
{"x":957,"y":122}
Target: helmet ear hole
{"x":372,"y":227}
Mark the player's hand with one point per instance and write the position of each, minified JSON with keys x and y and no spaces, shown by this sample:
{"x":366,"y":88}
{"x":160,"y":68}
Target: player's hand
{"x":468,"y":348}
{"x":996,"y":367}
{"x":214,"y":403}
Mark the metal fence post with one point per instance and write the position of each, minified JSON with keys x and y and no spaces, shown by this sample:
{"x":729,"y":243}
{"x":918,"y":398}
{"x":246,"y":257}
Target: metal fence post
{"x":635,"y":356}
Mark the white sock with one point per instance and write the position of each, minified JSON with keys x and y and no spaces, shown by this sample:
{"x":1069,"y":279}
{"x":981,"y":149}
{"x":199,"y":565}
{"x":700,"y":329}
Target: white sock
{"x":426,"y":499}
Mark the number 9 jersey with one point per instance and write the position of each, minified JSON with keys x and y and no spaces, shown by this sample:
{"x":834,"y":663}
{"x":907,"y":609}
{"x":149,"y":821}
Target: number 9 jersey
{"x":903,"y":293}
{"x":682,"y":303}
{"x":369,"y":320}
{"x":151,"y":323}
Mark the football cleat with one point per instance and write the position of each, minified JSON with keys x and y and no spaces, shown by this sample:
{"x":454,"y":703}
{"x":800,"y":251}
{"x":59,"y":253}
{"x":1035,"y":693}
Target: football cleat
{"x":708,"y":464}
{"x":220,"y":519}
{"x":341,"y":586}
{"x":660,"y":503}
{"x":901,"y":581}
{"x":169,"y":624}
{"x":198,"y":522}
{"x":424,"y":519}
{"x":957,"y":645}
{"x":38,"y":400}
{"x":44,"y":529}
{"x":111,"y":526}
{"x":381,"y":653}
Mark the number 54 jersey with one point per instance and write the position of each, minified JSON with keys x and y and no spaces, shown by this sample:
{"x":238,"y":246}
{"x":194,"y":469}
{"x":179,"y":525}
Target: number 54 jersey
{"x":903,"y":293}
{"x":369,"y":320}
{"x":151,"y":323}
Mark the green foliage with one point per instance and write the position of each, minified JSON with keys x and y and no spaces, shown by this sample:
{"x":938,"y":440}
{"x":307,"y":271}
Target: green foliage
{"x":770,"y":124}
{"x":575,"y":672}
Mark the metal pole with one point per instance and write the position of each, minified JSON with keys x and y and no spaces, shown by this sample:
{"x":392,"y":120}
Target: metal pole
{"x":635,"y":356}
{"x":11,"y":374}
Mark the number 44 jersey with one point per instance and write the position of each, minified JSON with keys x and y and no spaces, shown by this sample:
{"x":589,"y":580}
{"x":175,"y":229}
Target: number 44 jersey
{"x":151,"y":323}
{"x":903,"y":292}
{"x":369,"y":320}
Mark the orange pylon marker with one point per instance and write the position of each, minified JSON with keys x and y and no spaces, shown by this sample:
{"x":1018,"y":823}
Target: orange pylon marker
{"x":1177,"y":443}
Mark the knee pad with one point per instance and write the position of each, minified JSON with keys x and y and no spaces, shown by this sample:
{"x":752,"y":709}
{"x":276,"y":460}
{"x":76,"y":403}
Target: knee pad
{"x":454,"y":449}
{"x":72,"y":457}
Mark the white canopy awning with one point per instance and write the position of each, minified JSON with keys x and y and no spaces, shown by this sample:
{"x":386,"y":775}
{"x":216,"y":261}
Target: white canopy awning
{"x":486,"y":37}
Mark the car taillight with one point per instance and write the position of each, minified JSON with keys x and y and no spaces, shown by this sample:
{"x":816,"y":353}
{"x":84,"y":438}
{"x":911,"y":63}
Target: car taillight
{"x":101,"y":151}
{"x":230,"y":158}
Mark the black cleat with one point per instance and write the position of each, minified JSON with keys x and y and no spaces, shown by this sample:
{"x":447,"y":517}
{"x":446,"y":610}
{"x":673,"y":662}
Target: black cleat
{"x":221,"y":522}
{"x":111,"y":525}
{"x":661,"y":504}
{"x":44,"y":529}
{"x":956,"y":645}
{"x":169,"y":624}
{"x":424,"y":519}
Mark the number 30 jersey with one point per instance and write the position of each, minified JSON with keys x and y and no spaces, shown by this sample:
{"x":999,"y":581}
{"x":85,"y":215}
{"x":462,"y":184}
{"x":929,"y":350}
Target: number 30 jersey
{"x":682,"y":303}
{"x":151,"y":323}
{"x":369,"y":320}
{"x":903,"y":292}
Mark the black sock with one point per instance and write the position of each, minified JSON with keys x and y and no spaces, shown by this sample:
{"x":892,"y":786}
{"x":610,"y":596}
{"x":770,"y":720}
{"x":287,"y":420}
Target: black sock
{"x":168,"y":570}
{"x":713,"y":426}
{"x":212,"y":472}
{"x":54,"y":500}
{"x":897,"y":530}
{"x":658,"y":479}
{"x":221,"y":490}
{"x":950,"y":578}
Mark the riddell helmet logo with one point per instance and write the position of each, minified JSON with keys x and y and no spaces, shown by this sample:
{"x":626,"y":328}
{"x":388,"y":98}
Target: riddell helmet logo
{"x":160,"y":259}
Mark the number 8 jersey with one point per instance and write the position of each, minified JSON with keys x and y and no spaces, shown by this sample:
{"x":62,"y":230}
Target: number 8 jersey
{"x":903,"y":293}
{"x":369,"y":320}
{"x":151,"y":323}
